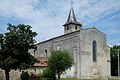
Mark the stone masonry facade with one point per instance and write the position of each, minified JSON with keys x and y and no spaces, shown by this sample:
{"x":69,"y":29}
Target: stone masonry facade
{"x":79,"y":44}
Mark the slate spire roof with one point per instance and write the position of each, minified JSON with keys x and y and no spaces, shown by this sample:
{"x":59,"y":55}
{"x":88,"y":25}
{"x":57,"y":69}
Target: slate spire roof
{"x":71,"y":18}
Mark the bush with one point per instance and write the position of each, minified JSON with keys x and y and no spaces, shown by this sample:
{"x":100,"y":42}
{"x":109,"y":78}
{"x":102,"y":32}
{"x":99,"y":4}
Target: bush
{"x":35,"y":77}
{"x":24,"y":75}
{"x":49,"y":74}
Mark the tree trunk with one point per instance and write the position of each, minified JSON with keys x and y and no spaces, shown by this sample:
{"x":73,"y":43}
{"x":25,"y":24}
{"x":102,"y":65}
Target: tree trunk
{"x":7,"y":74}
{"x":58,"y":76}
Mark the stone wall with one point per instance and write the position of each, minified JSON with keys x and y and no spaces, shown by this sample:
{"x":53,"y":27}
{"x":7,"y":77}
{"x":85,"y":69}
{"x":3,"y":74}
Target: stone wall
{"x":68,"y":42}
{"x":2,"y":76}
{"x":79,"y":44}
{"x":14,"y":75}
{"x":103,"y":55}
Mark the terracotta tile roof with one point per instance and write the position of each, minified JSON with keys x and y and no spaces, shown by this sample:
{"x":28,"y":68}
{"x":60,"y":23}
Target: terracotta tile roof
{"x":42,"y":63}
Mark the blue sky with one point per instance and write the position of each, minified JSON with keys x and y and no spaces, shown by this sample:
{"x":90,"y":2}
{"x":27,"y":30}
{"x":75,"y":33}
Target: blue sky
{"x":47,"y":16}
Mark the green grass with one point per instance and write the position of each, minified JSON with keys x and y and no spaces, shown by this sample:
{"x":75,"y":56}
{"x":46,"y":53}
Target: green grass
{"x":112,"y":78}
{"x":70,"y":79}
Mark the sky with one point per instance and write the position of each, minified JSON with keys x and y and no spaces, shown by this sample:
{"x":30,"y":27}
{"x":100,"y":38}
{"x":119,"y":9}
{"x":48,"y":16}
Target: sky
{"x":47,"y":16}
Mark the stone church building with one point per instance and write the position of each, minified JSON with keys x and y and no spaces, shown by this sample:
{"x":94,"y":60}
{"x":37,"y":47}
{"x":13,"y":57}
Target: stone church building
{"x":88,"y":48}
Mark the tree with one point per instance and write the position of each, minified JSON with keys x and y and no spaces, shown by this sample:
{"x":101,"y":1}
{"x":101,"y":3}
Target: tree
{"x":14,"y":48}
{"x":25,"y":75}
{"x":49,"y":74}
{"x":114,"y":60}
{"x":59,"y":61}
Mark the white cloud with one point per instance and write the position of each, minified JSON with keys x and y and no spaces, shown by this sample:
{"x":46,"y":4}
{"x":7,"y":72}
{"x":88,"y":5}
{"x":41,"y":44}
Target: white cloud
{"x":48,"y":16}
{"x":113,"y":29}
{"x":114,"y":41}
{"x":118,"y":44}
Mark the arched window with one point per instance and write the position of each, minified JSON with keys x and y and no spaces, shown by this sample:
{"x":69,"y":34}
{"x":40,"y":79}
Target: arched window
{"x":67,"y":27}
{"x":94,"y":47}
{"x":46,"y":52}
{"x":75,"y":27}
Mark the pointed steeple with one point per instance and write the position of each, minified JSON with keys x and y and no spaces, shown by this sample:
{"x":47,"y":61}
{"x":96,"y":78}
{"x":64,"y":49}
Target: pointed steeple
{"x":71,"y":17}
{"x":72,"y":24}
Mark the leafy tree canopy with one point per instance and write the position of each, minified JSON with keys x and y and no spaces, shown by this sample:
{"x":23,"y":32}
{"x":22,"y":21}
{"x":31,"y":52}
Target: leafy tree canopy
{"x":114,"y":59}
{"x":59,"y":61}
{"x":14,"y":47}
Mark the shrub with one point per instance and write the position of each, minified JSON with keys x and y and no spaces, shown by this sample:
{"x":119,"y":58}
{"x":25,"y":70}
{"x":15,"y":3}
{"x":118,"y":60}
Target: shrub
{"x":49,"y":74}
{"x":24,"y":75}
{"x":35,"y":77}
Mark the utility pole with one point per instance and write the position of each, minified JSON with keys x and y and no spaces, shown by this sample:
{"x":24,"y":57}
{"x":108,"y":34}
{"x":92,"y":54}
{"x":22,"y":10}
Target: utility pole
{"x":118,"y":66}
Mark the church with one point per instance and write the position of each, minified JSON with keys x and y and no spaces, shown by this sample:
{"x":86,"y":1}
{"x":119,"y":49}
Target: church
{"x":88,"y":47}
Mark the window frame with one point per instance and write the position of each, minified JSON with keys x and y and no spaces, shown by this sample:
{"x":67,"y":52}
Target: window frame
{"x":94,"y":51}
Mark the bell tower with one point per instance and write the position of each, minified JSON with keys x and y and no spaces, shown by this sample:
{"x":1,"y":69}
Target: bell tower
{"x":72,"y":24}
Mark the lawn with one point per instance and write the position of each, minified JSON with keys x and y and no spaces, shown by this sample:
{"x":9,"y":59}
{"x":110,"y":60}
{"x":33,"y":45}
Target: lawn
{"x":112,"y":78}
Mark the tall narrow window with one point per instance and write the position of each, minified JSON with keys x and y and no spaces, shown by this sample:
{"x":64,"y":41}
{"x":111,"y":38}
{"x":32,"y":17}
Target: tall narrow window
{"x":75,"y":27}
{"x":46,"y":52}
{"x":94,"y":46}
{"x":67,"y":27}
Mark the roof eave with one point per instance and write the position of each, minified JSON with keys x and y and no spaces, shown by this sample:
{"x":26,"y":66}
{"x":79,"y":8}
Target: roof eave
{"x":77,"y":23}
